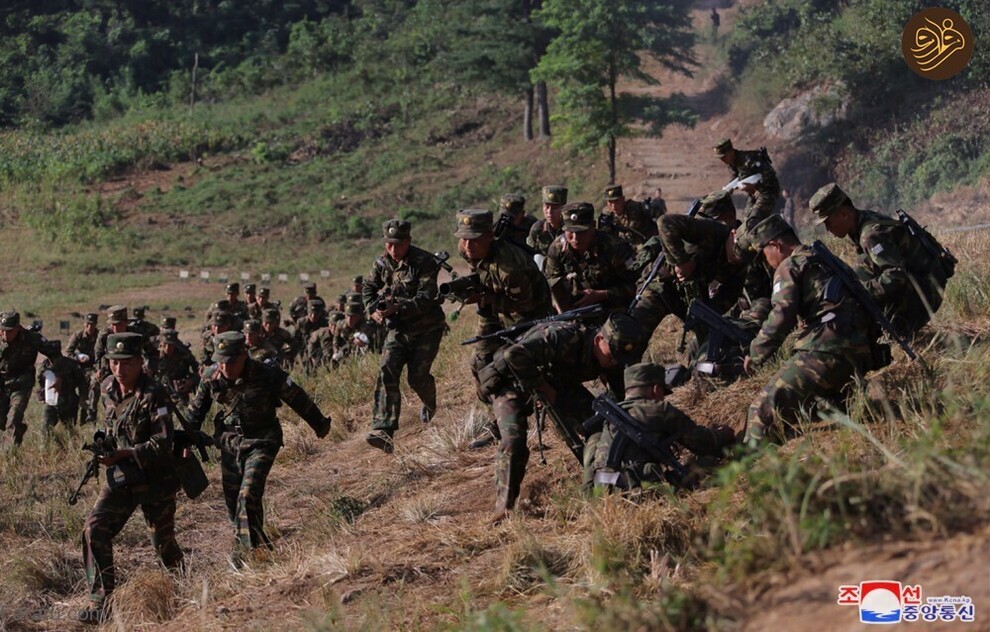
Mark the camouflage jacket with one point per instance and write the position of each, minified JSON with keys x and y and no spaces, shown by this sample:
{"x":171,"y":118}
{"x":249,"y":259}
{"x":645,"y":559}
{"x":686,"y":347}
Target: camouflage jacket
{"x":556,"y":353}
{"x":264,"y":352}
{"x":150,"y":331}
{"x":148,"y":349}
{"x":636,"y":225}
{"x":839,"y":328}
{"x":180,"y":365}
{"x":606,"y":265}
{"x":541,"y":235}
{"x":519,"y":234}
{"x":302,"y":333}
{"x":72,"y":380}
{"x":299,"y":306}
{"x":890,"y":262}
{"x":342,"y":343}
{"x":142,"y":421}
{"x":256,"y":311}
{"x":413,"y":285}
{"x":239,"y":309}
{"x":18,"y":356}
{"x":81,"y":343}
{"x":704,"y":242}
{"x":514,"y":286}
{"x":284,"y":343}
{"x":751,"y":162}
{"x":249,"y":405}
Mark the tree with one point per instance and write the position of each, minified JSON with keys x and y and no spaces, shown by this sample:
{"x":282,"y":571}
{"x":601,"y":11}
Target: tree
{"x":599,"y":42}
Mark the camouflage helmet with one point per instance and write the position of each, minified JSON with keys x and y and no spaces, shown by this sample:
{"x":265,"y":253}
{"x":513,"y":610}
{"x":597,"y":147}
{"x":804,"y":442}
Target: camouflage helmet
{"x":124,"y":345}
{"x":578,"y":217}
{"x":473,"y":223}
{"x":767,"y":230}
{"x":228,"y":345}
{"x":644,"y":374}
{"x":715,"y":204}
{"x":827,"y":200}
{"x":623,"y":335}
{"x":613,"y":192}
{"x":10,"y":320}
{"x":396,"y":231}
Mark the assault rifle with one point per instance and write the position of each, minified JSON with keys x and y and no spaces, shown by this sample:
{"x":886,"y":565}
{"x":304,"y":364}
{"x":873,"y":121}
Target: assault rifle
{"x":503,"y":224}
{"x":626,"y":429}
{"x":931,"y":245}
{"x":658,"y":262}
{"x":102,"y":445}
{"x":573,"y":441}
{"x":461,"y":288}
{"x":511,"y":333}
{"x":721,"y":332}
{"x":848,"y":278}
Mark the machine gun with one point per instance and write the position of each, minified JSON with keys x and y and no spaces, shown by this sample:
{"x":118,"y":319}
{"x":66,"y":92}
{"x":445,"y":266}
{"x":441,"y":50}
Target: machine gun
{"x":381,"y":303}
{"x":509,"y":334}
{"x":627,"y":429}
{"x":658,"y":263}
{"x":721,"y":333}
{"x":848,"y":279}
{"x":931,"y":245}
{"x":461,"y":288}
{"x":103,"y":445}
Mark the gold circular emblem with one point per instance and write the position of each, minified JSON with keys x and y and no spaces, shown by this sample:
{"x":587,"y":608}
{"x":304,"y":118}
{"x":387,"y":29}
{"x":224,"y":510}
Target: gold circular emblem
{"x":937,"y":43}
{"x":465,"y":220}
{"x":221,"y":345}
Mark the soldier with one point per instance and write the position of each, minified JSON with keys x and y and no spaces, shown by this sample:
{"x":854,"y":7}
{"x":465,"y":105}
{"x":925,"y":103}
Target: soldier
{"x":627,"y":219}
{"x":586,"y":266}
{"x":237,"y":307}
{"x":257,"y":309}
{"x":139,"y":325}
{"x":657,"y":206}
{"x":517,"y":222}
{"x":250,"y":296}
{"x":545,"y":231}
{"x":168,"y":322}
{"x":357,"y":286}
{"x":249,"y":433}
{"x":401,"y":294}
{"x":82,"y":347}
{"x":550,"y":361}
{"x":355,"y":335}
{"x":279,"y":338}
{"x":19,"y":348}
{"x":222,"y":322}
{"x":142,"y":470}
{"x":223,"y":305}
{"x":260,"y":349}
{"x":763,"y":195}
{"x":833,"y":344}
{"x":178,"y":370}
{"x":645,"y":393}
{"x":336,"y":311}
{"x":514,"y":290}
{"x":297,"y":309}
{"x":907,"y":282}
{"x":315,"y":319}
{"x":69,"y":386}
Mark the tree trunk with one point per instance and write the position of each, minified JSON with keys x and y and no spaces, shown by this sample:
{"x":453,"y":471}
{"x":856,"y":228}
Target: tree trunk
{"x":611,"y":158}
{"x":528,"y":115}
{"x":543,"y":109}
{"x":614,"y":115}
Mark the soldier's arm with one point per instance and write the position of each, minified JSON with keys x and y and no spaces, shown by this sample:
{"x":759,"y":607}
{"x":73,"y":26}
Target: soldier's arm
{"x":888,"y":254}
{"x":785,"y":304}
{"x":70,"y":350}
{"x":157,"y":450}
{"x":373,"y":283}
{"x":529,"y":359}
{"x":531,"y":238}
{"x":678,"y":230}
{"x":701,"y":440}
{"x":300,"y":402}
{"x":623,"y":286}
{"x":520,"y":295}
{"x":201,"y":402}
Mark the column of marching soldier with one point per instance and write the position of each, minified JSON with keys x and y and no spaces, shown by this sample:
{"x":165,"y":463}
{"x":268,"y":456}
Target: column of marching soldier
{"x":563,"y":301}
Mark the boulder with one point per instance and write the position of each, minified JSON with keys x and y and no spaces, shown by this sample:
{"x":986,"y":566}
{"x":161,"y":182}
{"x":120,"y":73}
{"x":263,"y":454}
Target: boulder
{"x":796,"y":117}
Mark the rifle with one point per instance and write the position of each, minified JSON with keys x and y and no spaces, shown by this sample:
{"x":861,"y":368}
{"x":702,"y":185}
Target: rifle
{"x":502,"y":225}
{"x":573,"y":441}
{"x":102,"y":445}
{"x":381,"y":303}
{"x":188,"y":436}
{"x":628,"y":429}
{"x":509,"y":334}
{"x":461,"y":288}
{"x":941,"y":254}
{"x":848,"y":278}
{"x":441,"y":259}
{"x":721,"y":331}
{"x":658,"y":263}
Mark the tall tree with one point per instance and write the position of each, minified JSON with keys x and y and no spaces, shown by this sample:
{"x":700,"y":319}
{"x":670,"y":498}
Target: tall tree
{"x":599,"y":42}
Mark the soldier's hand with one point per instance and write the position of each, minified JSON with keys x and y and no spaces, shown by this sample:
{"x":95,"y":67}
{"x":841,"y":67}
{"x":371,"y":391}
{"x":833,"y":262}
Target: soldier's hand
{"x":378,"y":317}
{"x":747,"y":365}
{"x":590,"y":297}
{"x":118,"y":456}
{"x":685,"y":271}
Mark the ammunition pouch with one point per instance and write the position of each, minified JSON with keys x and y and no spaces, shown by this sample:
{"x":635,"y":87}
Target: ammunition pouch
{"x":192,"y":478}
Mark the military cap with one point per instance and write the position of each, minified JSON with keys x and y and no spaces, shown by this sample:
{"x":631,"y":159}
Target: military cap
{"x":357,"y":279}
{"x":223,"y":305}
{"x":723,"y":147}
{"x":353,"y":309}
{"x":336,"y":317}
{"x":555,"y":194}
{"x":473,"y":223}
{"x":716,"y":203}
{"x":613,"y":192}
{"x":170,"y":336}
{"x":10,"y":320}
{"x":55,"y":346}
{"x":623,"y":335}
{"x":396,"y":231}
{"x":644,"y":374}
{"x":168,"y":322}
{"x":270,"y":315}
{"x":264,"y":291}
{"x":341,"y":298}
{"x":316,"y":306}
{"x":770,"y":228}
{"x":124,"y":345}
{"x":138,"y":312}
{"x":116,"y":314}
{"x":252,"y":326}
{"x":228,"y":345}
{"x":827,"y":200}
{"x":310,"y":287}
{"x":578,"y":216}
{"x":249,"y":288}
{"x":92,"y":318}
{"x":233,"y":288}
{"x":353,"y":297}
{"x":221,"y":317}
{"x":513,"y":203}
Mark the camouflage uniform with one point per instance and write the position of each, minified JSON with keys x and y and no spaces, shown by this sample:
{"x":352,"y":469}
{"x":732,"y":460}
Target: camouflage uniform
{"x":542,"y":234}
{"x":907,"y":282}
{"x":139,"y":421}
{"x":559,"y":355}
{"x":83,"y":345}
{"x":299,"y":305}
{"x":221,"y":322}
{"x":606,"y":265}
{"x":414,"y":340}
{"x":117,"y":314}
{"x":139,"y":325}
{"x":17,"y":359}
{"x":763,"y":201}
{"x":635,"y":224}
{"x":178,"y":367}
{"x":72,"y":388}
{"x":342,"y":342}
{"x":314,"y":321}
{"x":280,"y":339}
{"x":833,"y":345}
{"x":249,"y":433}
{"x":256,"y":310}
{"x":514,"y":205}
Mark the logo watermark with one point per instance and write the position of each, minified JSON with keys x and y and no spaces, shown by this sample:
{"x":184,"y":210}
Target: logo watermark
{"x":883,"y":601}
{"x":937,"y":43}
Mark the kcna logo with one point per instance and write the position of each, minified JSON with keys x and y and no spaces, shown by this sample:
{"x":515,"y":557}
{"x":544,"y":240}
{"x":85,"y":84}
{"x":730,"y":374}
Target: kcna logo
{"x":937,"y":43}
{"x":885,"y":601}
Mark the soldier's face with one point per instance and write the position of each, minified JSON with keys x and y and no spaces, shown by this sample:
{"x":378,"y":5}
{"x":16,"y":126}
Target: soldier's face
{"x":398,"y":250}
{"x":232,"y":297}
{"x":232,"y":367}
{"x":728,"y":157}
{"x":478,"y":248}
{"x":118,"y":328}
{"x":8,"y":335}
{"x":126,"y":371}
{"x":616,"y":206}
{"x":774,"y":254}
{"x":551,"y":213}
{"x":252,"y":338}
{"x":353,"y":321}
{"x":581,"y":240}
{"x":167,"y":349}
{"x":840,"y":223}
{"x":90,"y":329}
{"x":269,"y":326}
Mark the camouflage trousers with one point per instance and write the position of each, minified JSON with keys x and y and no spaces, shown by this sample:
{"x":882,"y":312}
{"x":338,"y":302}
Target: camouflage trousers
{"x":14,"y":398}
{"x":65,"y":411}
{"x":92,"y":405}
{"x":511,"y":413}
{"x":660,"y":299}
{"x":402,"y":350}
{"x":112,"y":510}
{"x":244,"y":474}
{"x":804,"y":378}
